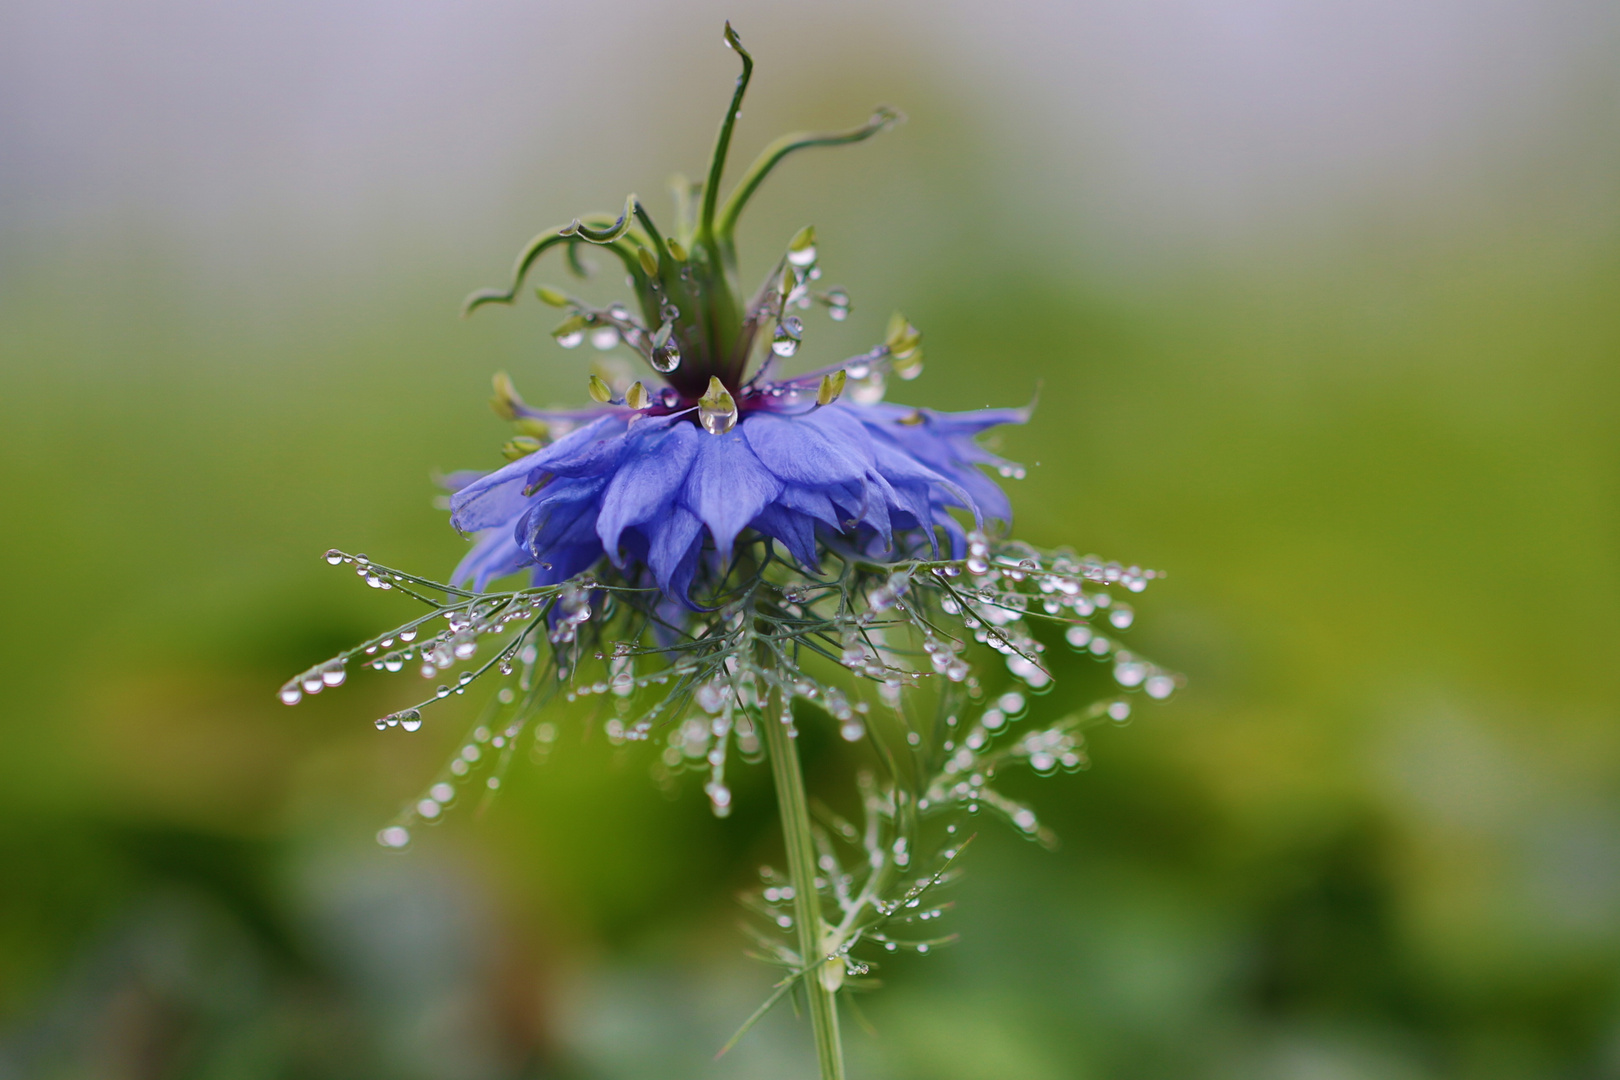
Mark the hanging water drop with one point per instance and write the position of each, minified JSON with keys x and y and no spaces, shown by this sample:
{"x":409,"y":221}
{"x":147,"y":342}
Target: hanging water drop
{"x":604,"y":337}
{"x":717,"y":410}
{"x":785,"y":341}
{"x":334,"y":556}
{"x":395,"y":836}
{"x":291,"y":693}
{"x":410,"y":720}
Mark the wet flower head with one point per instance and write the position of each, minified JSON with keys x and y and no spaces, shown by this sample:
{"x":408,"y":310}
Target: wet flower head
{"x":718,"y":552}
{"x":712,"y":441}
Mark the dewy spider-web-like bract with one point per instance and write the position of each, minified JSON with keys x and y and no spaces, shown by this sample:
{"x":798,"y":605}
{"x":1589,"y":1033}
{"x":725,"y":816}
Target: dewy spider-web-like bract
{"x":725,"y":554}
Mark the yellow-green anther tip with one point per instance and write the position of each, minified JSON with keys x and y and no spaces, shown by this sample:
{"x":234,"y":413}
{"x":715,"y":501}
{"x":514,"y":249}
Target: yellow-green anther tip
{"x":600,"y":391}
{"x":520,"y":447}
{"x":506,"y":398}
{"x":804,"y":238}
{"x":649,"y":261}
{"x":551,"y":296}
{"x":832,"y":387}
{"x":676,"y":249}
{"x":637,"y":396}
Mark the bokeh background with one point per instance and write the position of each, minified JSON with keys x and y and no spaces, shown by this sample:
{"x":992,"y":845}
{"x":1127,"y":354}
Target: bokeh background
{"x":1322,"y":299}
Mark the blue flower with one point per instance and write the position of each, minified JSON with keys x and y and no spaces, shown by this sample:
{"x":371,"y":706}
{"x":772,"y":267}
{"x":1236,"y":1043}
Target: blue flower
{"x":653,"y":488}
{"x":660,"y":483}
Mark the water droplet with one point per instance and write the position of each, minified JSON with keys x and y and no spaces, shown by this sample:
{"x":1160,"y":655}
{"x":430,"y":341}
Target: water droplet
{"x":717,"y":411}
{"x":1121,"y":616}
{"x":870,"y":390}
{"x":803,"y":257}
{"x":442,"y":691}
{"x":333,"y":673}
{"x":408,"y":635}
{"x":1119,"y":711}
{"x":604,"y":337}
{"x":334,"y":556}
{"x":291,"y":693}
{"x":1160,"y":687}
{"x":428,"y":809}
{"x":785,"y":341}
{"x":572,"y":339}
{"x":312,"y":682}
{"x":410,"y":719}
{"x":442,"y":792}
{"x":395,"y":836}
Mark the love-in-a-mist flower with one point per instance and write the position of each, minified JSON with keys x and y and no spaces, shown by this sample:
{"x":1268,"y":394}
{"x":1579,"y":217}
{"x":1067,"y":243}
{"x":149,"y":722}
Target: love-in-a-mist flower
{"x":664,"y":474}
{"x":715,"y":554}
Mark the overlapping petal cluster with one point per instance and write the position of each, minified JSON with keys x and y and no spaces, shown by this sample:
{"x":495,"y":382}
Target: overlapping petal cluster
{"x":658,"y":494}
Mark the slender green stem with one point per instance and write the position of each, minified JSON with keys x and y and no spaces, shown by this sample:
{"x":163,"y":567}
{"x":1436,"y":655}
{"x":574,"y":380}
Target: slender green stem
{"x":801,"y":857}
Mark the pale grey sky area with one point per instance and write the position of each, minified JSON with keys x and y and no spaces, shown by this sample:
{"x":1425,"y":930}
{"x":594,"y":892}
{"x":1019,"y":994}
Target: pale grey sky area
{"x":1156,"y":123}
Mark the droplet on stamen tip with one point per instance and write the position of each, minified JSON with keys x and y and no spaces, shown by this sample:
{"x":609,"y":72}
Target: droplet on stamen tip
{"x":785,"y":341}
{"x":717,"y":410}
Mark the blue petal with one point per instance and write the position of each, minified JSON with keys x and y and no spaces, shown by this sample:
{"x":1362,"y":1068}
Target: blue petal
{"x":798,"y":451}
{"x":809,"y":501}
{"x":487,"y":501}
{"x":727,"y":487}
{"x":565,"y":513}
{"x":672,"y":550}
{"x":647,"y":482}
{"x":495,"y":555}
{"x":796,"y":532}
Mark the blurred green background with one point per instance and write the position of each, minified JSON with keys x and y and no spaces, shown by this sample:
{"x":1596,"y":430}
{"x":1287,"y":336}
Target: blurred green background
{"x":1322,"y":300}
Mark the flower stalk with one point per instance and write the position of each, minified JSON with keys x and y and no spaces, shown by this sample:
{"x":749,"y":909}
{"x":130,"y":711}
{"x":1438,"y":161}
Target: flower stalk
{"x":781,"y":746}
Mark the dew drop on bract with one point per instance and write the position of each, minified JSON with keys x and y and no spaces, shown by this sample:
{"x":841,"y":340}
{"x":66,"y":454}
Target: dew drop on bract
{"x":718,"y":419}
{"x":667,"y":358}
{"x":784,"y":343}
